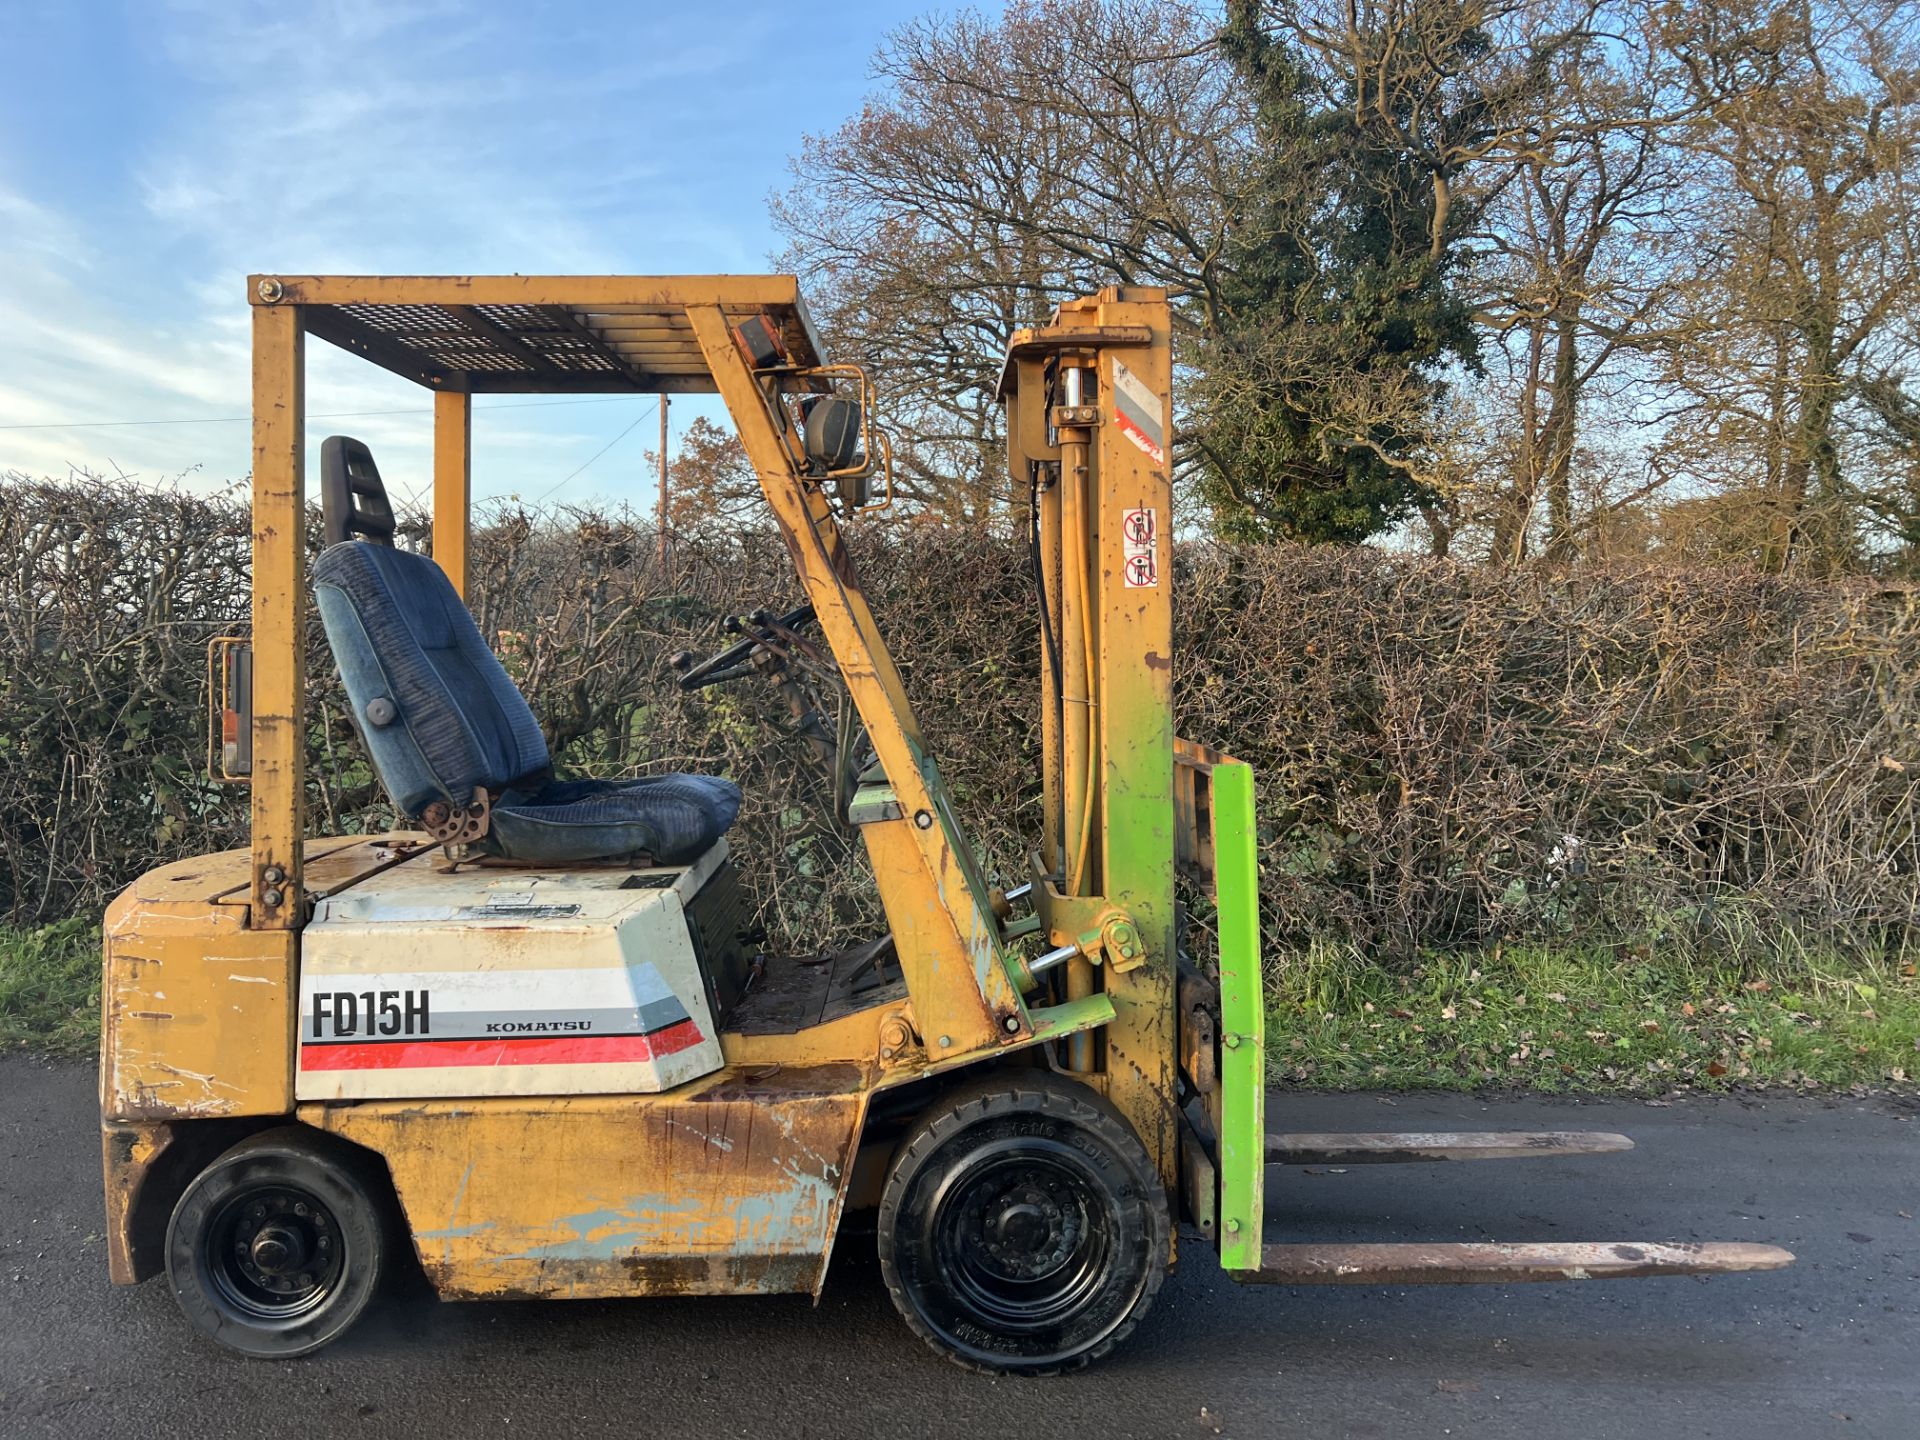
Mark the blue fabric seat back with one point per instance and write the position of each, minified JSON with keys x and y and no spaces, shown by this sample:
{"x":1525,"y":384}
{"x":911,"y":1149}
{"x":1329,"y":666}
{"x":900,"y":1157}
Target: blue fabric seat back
{"x":452,"y":720}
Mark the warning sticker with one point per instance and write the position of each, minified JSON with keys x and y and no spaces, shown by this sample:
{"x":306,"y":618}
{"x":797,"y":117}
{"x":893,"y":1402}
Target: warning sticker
{"x":1140,"y":533}
{"x":1138,"y":413}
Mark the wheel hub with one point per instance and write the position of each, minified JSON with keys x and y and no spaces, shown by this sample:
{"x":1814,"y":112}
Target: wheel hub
{"x":1021,"y":1228}
{"x":283,"y":1255}
{"x":1027,"y":1230}
{"x":278,"y":1249}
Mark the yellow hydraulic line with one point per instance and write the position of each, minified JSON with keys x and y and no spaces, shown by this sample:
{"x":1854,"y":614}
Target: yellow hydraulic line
{"x":1080,"y":969}
{"x":1075,"y":527}
{"x":1077,"y":885}
{"x":1053,"y":842}
{"x":1076,"y":739}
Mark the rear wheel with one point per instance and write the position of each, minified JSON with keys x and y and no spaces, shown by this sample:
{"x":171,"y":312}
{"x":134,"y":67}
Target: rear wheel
{"x":1023,"y":1228}
{"x":276,"y":1248}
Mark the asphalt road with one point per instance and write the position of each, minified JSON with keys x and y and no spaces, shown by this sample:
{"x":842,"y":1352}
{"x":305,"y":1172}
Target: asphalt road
{"x":1828,"y":1348}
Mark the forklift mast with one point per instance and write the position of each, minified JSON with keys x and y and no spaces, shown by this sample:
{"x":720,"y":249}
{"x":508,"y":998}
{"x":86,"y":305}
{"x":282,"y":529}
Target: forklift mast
{"x":1089,"y":412}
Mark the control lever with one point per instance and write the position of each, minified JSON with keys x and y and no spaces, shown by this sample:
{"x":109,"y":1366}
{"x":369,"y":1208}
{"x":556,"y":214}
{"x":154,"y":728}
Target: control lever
{"x":760,"y":628}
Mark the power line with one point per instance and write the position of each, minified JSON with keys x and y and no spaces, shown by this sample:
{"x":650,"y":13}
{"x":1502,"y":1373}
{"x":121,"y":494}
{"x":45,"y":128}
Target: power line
{"x":335,"y":415}
{"x":598,"y":453}
{"x":363,"y":414}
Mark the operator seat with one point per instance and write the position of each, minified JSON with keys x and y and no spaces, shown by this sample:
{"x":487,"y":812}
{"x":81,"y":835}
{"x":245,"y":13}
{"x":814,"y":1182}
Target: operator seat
{"x":443,"y":721}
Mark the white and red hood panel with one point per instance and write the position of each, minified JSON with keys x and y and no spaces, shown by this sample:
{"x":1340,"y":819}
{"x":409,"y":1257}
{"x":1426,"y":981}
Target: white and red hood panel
{"x":420,"y":983}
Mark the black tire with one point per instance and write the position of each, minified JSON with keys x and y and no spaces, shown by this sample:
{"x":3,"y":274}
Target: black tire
{"x":277,"y":1247}
{"x":1023,"y":1229}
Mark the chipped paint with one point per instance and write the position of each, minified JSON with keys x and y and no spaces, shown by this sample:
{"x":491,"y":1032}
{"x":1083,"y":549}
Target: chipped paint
{"x":213,"y":1041}
{"x":210,"y":1081}
{"x":453,"y":1232}
{"x":609,"y":1234}
{"x":719,"y":1142}
{"x":790,"y":1219}
{"x":134,"y":1232}
{"x":731,"y":1183}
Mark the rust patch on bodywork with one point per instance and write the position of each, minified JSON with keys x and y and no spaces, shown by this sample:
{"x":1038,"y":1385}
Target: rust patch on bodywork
{"x":128,"y":1155}
{"x":727,"y":1187}
{"x":647,"y":1275}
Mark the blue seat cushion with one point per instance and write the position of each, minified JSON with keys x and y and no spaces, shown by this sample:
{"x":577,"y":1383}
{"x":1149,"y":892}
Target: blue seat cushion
{"x":672,"y":818}
{"x":441,"y":718}
{"x":399,"y":632}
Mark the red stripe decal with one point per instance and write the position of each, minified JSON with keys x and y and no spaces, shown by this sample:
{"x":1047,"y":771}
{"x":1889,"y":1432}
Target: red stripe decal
{"x":1139,"y":436}
{"x":503,"y":1050}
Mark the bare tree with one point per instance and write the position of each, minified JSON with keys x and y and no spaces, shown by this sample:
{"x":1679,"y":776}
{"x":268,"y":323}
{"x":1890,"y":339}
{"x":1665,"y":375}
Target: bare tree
{"x":1886,"y":433}
{"x":1809,"y":133}
{"x":1006,"y":164}
{"x":1531,"y":269}
{"x":1451,"y":86}
{"x":1581,"y":257}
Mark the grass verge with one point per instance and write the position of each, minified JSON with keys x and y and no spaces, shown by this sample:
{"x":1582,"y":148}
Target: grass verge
{"x":1544,"y":1018}
{"x":50,"y":987}
{"x":1599,"y":1018}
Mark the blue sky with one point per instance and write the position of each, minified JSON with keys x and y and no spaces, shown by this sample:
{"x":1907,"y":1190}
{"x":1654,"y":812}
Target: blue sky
{"x":152,"y":154}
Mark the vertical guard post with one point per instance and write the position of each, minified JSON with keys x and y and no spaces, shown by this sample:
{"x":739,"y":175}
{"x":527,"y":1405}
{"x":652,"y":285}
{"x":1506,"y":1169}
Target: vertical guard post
{"x":452,"y":483}
{"x":279,"y":594}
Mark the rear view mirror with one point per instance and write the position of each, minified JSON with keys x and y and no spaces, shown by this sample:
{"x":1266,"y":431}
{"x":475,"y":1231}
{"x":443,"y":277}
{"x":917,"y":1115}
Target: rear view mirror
{"x":230,"y":708}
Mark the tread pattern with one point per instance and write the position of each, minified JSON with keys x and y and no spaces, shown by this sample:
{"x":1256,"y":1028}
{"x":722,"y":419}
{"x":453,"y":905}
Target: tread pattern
{"x":1022,"y":1092}
{"x":331,"y":1163}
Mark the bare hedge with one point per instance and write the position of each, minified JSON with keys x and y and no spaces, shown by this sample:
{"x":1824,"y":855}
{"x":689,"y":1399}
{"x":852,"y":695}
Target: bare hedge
{"x":1446,"y":755}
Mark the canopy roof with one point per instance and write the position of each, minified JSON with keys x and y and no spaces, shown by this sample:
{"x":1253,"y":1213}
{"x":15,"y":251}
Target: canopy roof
{"x":501,"y":334}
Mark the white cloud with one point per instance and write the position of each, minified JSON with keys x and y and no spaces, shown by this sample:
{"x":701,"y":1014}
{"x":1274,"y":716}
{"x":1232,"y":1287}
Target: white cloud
{"x":376,"y":136}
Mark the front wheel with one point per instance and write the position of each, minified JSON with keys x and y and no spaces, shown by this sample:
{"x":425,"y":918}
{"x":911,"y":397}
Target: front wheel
{"x":278,"y":1246}
{"x":1023,"y":1229}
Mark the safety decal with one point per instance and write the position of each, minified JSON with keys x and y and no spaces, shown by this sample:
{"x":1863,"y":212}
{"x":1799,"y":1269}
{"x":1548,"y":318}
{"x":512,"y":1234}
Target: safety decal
{"x":507,"y":1050}
{"x":571,"y":1016}
{"x":1137,"y":413}
{"x":1140,"y":537}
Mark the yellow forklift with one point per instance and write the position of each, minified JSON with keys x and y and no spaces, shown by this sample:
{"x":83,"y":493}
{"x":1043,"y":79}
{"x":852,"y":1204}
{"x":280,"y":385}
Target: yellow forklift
{"x":528,"y":1040}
